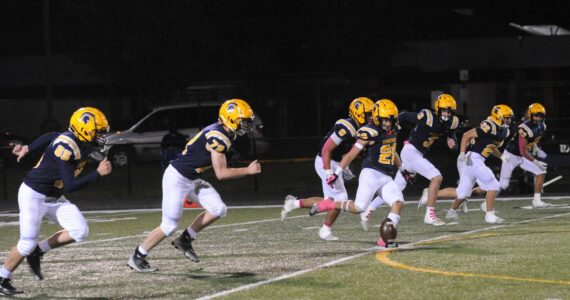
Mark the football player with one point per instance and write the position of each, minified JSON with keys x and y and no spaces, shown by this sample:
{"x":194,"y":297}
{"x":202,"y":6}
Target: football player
{"x":430,"y":126}
{"x":378,"y":166}
{"x":333,"y":146}
{"x":484,"y":141}
{"x":522,"y":147}
{"x":182,"y":178}
{"x":42,"y":192}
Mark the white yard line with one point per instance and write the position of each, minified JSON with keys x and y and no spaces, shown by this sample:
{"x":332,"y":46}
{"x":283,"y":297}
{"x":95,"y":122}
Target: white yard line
{"x":368,"y":251}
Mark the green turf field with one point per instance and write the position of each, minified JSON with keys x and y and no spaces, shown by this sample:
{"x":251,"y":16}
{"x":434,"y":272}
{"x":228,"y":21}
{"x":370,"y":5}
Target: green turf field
{"x":251,"y":254}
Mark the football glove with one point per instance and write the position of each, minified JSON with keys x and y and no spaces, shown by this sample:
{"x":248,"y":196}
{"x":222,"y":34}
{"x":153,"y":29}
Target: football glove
{"x":332,"y":177}
{"x":347,"y":174}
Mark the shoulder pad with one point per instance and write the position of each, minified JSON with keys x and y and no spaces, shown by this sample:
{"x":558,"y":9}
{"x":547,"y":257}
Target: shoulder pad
{"x":367,"y":133}
{"x":427,"y":116}
{"x":488,"y":127}
{"x":343,"y":127}
{"x":217,"y":141}
{"x":454,"y":123}
{"x":525,"y":130}
{"x":66,"y":148}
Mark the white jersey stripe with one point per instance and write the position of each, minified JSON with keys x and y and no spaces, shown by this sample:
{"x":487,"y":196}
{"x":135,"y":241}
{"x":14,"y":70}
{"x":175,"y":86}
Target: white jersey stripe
{"x":348,"y":126}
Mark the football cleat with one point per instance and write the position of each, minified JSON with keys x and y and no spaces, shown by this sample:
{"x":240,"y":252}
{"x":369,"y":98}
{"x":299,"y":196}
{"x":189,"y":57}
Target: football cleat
{"x":423,"y":199}
{"x":138,"y":263}
{"x":6,"y":287}
{"x":435,"y":221}
{"x":288,"y":206}
{"x":540,"y":204}
{"x":34,"y":260}
{"x":314,"y":210}
{"x":325,"y":233}
{"x":451,"y":214}
{"x":365,"y":218}
{"x":491,"y":218}
{"x":184,"y":244}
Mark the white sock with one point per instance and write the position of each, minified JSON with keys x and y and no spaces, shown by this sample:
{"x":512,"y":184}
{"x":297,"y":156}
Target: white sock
{"x":44,"y":246}
{"x":395,"y":218}
{"x":376,"y":203}
{"x":296,"y":204}
{"x":451,"y":209}
{"x":4,"y":273}
{"x":191,"y":232}
{"x":536,"y":197}
{"x":491,"y":213}
{"x":142,"y":251}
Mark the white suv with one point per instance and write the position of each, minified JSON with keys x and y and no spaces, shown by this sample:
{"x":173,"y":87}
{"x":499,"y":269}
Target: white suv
{"x":142,"y":141}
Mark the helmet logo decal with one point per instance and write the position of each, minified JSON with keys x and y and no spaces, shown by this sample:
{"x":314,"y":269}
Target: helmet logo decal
{"x":86,"y":117}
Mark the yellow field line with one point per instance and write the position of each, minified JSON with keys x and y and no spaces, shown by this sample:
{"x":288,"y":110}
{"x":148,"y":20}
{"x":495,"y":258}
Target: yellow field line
{"x":382,"y":256}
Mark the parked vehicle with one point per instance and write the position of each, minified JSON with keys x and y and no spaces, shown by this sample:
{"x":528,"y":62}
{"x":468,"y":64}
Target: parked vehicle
{"x":141,"y":142}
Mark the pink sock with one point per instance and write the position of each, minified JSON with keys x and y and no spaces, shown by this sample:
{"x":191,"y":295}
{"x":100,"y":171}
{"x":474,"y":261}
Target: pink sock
{"x":301,"y":203}
{"x":326,"y":205}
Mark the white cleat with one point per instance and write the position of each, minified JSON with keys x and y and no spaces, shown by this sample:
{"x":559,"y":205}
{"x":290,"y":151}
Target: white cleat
{"x":423,"y":199}
{"x":451,"y":214}
{"x":435,"y":221}
{"x":325,"y":234}
{"x":493,"y":219}
{"x":288,"y":206}
{"x":365,"y":218}
{"x":540,"y":204}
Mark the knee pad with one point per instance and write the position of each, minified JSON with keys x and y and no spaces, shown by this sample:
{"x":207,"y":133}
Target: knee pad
{"x":220,"y":212}
{"x":26,"y":246}
{"x":168,"y":229}
{"x":79,"y":233}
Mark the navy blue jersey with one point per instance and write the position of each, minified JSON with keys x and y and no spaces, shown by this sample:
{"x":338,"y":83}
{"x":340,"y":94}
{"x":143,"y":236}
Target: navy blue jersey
{"x":57,"y":171}
{"x":428,"y":129}
{"x":531,"y":132}
{"x":489,"y":137}
{"x":196,"y":155}
{"x":345,"y":132}
{"x":381,"y":149}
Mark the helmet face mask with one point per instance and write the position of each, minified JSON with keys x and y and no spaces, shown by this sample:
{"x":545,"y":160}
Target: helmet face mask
{"x":385,"y":114}
{"x":445,"y":107}
{"x":536,"y":113}
{"x":245,"y":126}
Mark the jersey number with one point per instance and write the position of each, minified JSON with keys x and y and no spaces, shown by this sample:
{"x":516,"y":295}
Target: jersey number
{"x":62,"y":153}
{"x":488,"y":150}
{"x":430,"y":141}
{"x":387,"y":154}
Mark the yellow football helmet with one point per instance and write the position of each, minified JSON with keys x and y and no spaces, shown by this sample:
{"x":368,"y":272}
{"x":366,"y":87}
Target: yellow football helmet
{"x":536,"y":109}
{"x":237,"y":115}
{"x":385,"y":109}
{"x":360,"y":110}
{"x":445,"y":101}
{"x":502,"y":115}
{"x":87,"y":122}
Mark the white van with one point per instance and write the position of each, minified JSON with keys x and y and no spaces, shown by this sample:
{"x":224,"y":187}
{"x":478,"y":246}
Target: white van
{"x":141,"y":142}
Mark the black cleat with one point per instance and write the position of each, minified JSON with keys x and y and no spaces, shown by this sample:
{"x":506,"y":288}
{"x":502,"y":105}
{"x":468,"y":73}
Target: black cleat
{"x":184,"y":243}
{"x":314,"y":210}
{"x":34,"y":260}
{"x":138,"y":263}
{"x":6,"y":288}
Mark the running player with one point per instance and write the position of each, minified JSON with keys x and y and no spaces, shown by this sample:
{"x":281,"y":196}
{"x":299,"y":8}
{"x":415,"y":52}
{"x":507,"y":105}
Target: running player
{"x":378,"y":166}
{"x":182,"y":178}
{"x":334,"y":145}
{"x":42,"y":192}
